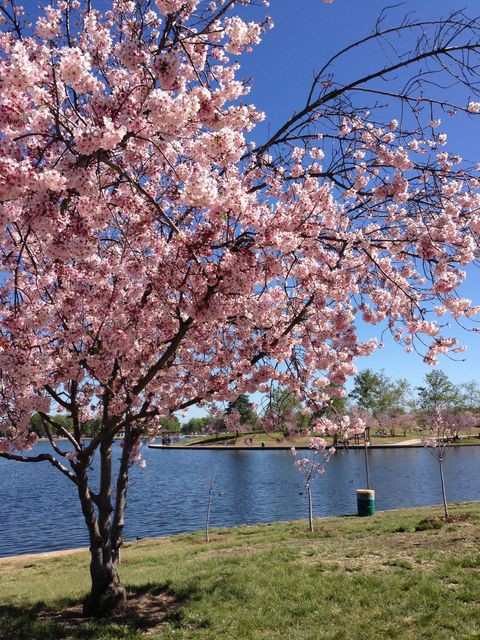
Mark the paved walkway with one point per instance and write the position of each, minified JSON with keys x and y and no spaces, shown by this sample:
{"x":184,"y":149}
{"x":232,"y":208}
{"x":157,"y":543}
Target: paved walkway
{"x":403,"y":443}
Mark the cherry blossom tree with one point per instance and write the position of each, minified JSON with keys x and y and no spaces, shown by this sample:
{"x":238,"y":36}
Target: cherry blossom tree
{"x":153,"y":258}
{"x":282,"y":412}
{"x":437,"y":440}
{"x":342,"y":428}
{"x":440,"y":431}
{"x":310,"y":466}
{"x":460,"y":422}
{"x":402,"y":422}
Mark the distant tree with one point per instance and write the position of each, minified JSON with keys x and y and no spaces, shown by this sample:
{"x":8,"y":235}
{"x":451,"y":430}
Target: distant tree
{"x":460,"y":422}
{"x":245,"y":408}
{"x":395,"y":402}
{"x":195,"y":425}
{"x":285,"y":413}
{"x":372,"y":391}
{"x":55,"y":423}
{"x":336,"y":406}
{"x":403,"y":422}
{"x":400,"y":397}
{"x":438,"y":393}
{"x":36,"y":425}
{"x":470,"y":396}
{"x":170,"y":424}
{"x":334,"y":409}
{"x":283,"y":400}
{"x":90,"y":427}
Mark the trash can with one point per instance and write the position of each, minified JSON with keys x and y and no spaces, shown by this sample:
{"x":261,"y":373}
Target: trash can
{"x":365,"y":502}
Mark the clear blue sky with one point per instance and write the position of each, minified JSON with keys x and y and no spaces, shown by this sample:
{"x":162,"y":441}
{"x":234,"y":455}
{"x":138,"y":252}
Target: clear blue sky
{"x":306,"y":34}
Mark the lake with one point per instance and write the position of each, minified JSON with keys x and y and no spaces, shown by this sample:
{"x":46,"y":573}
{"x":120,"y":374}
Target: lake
{"x":39,"y":510}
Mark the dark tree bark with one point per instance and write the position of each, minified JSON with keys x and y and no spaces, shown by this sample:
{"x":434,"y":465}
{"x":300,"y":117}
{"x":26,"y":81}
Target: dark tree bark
{"x":107,"y":596}
{"x":121,"y":495}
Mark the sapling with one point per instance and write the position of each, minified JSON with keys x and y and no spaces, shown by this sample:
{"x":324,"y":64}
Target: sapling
{"x":311,"y":466}
{"x":437,"y":441}
{"x":443,"y":429}
{"x":211,"y":485}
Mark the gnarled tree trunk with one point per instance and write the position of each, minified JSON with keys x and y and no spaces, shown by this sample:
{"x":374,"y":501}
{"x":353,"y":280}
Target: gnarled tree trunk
{"x":105,"y":525}
{"x":107,"y":596}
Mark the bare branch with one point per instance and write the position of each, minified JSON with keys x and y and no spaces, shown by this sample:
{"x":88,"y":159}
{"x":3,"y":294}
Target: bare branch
{"x":42,"y":457}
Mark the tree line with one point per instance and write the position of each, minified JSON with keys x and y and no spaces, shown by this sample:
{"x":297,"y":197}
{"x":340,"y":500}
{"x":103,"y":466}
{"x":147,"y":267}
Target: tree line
{"x":393,"y":405}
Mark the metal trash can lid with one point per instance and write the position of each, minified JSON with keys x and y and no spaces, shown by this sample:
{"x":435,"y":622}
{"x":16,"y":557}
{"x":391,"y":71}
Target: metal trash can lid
{"x":366,"y":491}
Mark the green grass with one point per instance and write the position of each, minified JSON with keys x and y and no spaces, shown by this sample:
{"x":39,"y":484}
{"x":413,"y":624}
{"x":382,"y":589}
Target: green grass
{"x":353,"y":579}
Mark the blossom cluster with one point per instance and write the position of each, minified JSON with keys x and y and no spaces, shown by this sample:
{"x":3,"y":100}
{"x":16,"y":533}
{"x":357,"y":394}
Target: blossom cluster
{"x":310,"y":466}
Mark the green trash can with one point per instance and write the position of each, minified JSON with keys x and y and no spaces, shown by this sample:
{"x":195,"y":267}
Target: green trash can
{"x":365,"y":502}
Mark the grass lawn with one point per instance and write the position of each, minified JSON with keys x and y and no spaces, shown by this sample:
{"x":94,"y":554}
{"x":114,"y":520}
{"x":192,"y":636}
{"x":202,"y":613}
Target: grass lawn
{"x":354,"y":578}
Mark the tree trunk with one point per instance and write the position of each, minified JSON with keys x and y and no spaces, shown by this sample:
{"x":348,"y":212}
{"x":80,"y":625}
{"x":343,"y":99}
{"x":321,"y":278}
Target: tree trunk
{"x":121,"y":496}
{"x":310,"y":514}
{"x":107,"y":596}
{"x":444,"y":494}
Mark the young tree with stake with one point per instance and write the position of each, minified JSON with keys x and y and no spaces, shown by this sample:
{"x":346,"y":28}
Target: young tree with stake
{"x":442,"y":429}
{"x":311,"y":467}
{"x":152,"y":259}
{"x":344,"y":427}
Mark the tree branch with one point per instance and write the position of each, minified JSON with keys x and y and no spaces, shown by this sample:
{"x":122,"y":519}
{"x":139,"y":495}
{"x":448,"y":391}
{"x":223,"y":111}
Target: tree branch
{"x":42,"y":457}
{"x":168,"y":353}
{"x":372,"y":76}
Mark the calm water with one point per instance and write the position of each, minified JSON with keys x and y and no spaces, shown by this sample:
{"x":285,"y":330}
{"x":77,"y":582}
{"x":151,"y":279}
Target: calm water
{"x":39,"y":510}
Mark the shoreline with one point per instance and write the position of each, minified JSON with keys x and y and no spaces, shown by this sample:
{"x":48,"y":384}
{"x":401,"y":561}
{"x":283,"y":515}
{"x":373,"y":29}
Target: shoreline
{"x":200,"y":447}
{"x":40,"y":555}
{"x":43,"y":554}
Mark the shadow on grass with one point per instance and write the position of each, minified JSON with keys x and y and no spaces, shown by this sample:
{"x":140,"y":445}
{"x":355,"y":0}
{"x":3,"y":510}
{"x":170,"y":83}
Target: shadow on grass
{"x":149,"y":608}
